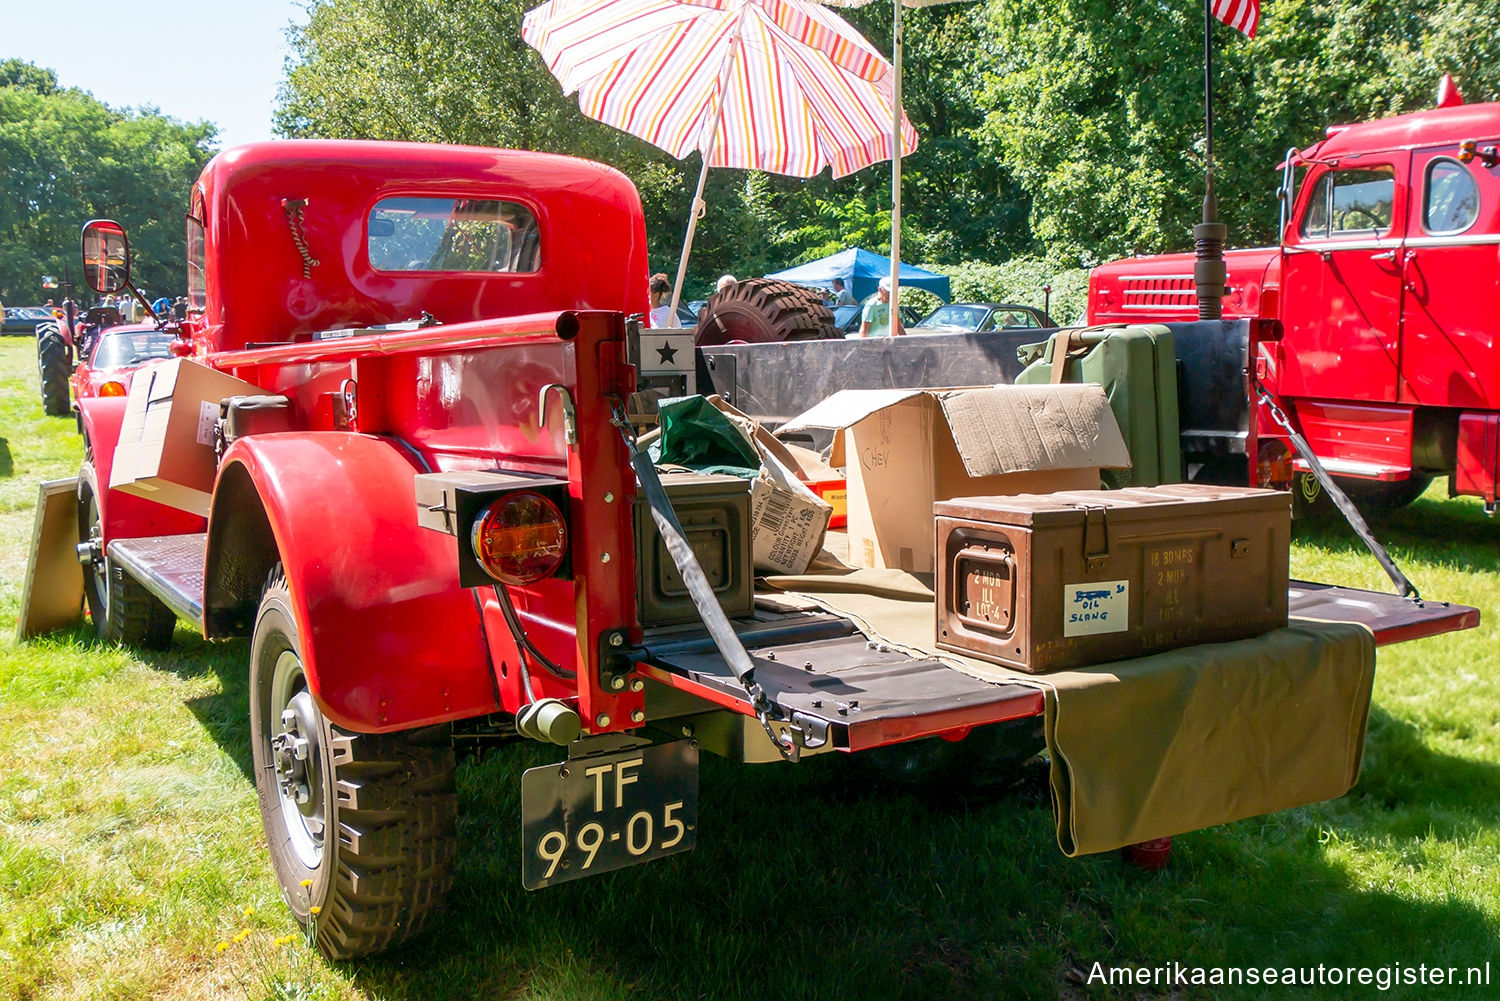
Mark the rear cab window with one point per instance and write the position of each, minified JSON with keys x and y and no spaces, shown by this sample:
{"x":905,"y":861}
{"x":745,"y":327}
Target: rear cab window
{"x":1450,"y":203}
{"x":453,"y":235}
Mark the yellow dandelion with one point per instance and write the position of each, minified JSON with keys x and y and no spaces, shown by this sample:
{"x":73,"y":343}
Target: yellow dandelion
{"x":305,"y":883}
{"x":221,"y":947}
{"x":249,"y":911}
{"x":241,"y":935}
{"x":315,"y":910}
{"x":286,"y":939}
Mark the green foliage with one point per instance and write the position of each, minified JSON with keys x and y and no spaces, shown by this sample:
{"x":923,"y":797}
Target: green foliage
{"x":1023,"y":280}
{"x":67,"y":158}
{"x":1097,"y":110}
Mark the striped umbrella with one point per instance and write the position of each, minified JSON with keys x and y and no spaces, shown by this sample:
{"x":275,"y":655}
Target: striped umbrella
{"x":776,"y":85}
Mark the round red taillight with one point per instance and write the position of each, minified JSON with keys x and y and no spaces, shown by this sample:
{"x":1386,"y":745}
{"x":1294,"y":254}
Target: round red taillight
{"x":520,"y":538}
{"x":112,"y":389}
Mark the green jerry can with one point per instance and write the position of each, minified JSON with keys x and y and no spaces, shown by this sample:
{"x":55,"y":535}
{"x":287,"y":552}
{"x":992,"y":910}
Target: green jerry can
{"x":1137,"y":366}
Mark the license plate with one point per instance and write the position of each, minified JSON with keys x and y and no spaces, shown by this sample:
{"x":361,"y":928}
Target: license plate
{"x":589,"y":815}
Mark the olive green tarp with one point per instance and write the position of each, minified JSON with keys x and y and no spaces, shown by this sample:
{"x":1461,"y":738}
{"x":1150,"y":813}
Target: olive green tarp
{"x":1173,"y":742}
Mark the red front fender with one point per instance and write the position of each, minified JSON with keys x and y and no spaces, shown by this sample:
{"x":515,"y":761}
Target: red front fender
{"x":389,"y":639}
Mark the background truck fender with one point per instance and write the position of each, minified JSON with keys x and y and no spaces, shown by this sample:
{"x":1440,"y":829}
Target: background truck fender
{"x":389,"y":639}
{"x":121,"y":515}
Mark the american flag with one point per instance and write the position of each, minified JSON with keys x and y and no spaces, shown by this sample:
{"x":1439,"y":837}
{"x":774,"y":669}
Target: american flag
{"x":1241,"y":14}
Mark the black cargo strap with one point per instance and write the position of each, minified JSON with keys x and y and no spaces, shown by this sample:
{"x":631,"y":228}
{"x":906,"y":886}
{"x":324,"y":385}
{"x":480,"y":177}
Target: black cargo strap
{"x":698,"y":587}
{"x":1340,"y":499}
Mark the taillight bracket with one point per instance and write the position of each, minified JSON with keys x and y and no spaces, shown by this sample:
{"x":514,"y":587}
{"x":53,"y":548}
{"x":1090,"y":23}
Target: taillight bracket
{"x":450,"y":503}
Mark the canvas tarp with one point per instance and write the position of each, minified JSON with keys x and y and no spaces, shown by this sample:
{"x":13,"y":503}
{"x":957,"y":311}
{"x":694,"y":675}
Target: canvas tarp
{"x":1168,"y":743}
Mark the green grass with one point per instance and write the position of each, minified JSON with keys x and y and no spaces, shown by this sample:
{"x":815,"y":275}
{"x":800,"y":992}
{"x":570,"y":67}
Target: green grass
{"x":130,"y":843}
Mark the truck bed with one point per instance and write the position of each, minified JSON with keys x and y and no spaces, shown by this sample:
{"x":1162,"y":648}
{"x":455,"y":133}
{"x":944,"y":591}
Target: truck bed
{"x":818,"y":668}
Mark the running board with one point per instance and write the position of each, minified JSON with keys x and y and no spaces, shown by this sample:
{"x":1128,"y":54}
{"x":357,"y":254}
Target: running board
{"x":170,"y":567}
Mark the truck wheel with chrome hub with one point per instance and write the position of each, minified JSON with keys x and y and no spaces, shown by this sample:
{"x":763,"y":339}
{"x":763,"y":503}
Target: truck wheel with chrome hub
{"x":360,"y":826}
{"x":121,"y":609}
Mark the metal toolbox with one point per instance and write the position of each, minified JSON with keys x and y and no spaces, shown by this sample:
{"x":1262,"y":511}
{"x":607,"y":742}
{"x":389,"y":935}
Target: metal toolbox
{"x":715,"y":516}
{"x":1046,"y":582}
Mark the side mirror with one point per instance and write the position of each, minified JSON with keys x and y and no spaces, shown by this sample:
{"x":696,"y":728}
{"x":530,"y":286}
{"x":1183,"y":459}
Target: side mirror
{"x":106,"y":256}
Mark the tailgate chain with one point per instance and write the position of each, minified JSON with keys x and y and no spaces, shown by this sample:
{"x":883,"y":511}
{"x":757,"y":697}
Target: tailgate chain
{"x":699,"y":589}
{"x":1340,"y":499}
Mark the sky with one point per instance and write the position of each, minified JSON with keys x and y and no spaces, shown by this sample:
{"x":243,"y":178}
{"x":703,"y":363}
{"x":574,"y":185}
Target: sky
{"x":210,"y":60}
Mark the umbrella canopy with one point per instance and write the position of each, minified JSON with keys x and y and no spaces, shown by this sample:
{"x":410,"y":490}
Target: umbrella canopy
{"x":776,"y":85}
{"x":861,"y":271}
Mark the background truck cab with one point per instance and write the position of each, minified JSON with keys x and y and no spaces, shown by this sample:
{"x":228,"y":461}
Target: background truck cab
{"x":1383,"y":302}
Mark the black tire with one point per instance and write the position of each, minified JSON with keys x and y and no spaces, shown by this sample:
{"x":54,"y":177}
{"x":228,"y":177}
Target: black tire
{"x":389,"y":797}
{"x":1378,"y":495}
{"x":764,"y":310}
{"x":54,"y":365}
{"x":121,"y":609}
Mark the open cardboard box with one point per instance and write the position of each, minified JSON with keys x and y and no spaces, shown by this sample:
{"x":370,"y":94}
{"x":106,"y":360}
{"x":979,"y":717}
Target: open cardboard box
{"x":166,"y":450}
{"x":904,"y":449}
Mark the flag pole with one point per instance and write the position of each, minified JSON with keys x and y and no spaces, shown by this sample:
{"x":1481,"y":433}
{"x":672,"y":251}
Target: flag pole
{"x":1209,"y":236}
{"x":895,"y":165}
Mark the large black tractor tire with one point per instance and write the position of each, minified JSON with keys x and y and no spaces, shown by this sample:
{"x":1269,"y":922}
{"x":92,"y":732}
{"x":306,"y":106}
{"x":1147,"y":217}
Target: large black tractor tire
{"x":764,"y":310}
{"x":366,"y":821}
{"x":121,"y":609}
{"x":1382,"y":496}
{"x":54,"y":365}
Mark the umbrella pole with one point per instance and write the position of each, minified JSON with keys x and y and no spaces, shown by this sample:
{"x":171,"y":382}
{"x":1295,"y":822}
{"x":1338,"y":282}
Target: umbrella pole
{"x":687,"y":244}
{"x":699,"y":207}
{"x":895,"y":165}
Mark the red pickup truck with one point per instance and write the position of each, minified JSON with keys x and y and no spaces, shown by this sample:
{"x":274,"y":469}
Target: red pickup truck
{"x":424,"y":519}
{"x":1379,"y":306}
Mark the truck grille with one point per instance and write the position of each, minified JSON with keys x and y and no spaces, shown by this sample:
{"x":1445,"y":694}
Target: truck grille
{"x":1158,"y":291}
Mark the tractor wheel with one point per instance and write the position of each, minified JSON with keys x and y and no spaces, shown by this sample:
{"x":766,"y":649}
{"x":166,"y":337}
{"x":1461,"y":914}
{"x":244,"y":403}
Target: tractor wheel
{"x":764,"y":310}
{"x":54,"y":366}
{"x":361,"y":827}
{"x":1378,"y":495}
{"x":121,"y":609}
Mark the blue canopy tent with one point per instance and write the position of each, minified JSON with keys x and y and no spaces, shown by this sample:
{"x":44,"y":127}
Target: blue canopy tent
{"x":861,"y":272}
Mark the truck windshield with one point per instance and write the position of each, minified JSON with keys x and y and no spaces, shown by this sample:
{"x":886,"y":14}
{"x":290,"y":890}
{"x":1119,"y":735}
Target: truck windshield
{"x":1350,"y":201}
{"x":118,"y":350}
{"x":452,"y":234}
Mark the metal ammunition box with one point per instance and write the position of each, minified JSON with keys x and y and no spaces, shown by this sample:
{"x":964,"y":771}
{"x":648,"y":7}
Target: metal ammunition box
{"x":715,"y":515}
{"x":1046,"y":582}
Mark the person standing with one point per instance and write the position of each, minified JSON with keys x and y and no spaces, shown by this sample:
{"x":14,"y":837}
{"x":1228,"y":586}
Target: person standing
{"x":661,"y":303}
{"x":875,"y":321}
{"x":841,"y":295}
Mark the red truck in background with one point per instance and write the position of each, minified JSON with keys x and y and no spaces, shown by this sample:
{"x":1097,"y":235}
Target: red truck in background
{"x":1379,"y":311}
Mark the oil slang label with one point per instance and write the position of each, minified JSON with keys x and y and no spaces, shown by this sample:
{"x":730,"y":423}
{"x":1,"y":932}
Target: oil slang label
{"x":208,"y":413}
{"x":1096,"y":607}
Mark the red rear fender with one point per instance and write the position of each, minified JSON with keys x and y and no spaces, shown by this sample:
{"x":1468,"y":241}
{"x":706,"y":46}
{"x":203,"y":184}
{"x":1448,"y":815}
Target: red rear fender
{"x":389,"y":639}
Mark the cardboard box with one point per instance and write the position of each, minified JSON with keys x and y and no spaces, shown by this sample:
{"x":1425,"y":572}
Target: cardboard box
{"x":788,"y":521}
{"x":905,"y":449}
{"x":166,"y":450}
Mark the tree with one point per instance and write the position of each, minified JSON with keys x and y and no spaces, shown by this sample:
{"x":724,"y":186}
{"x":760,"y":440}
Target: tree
{"x":1097,"y":107}
{"x":66,"y":158}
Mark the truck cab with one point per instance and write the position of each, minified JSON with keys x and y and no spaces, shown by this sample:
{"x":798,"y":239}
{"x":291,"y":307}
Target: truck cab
{"x":1380,"y":302}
